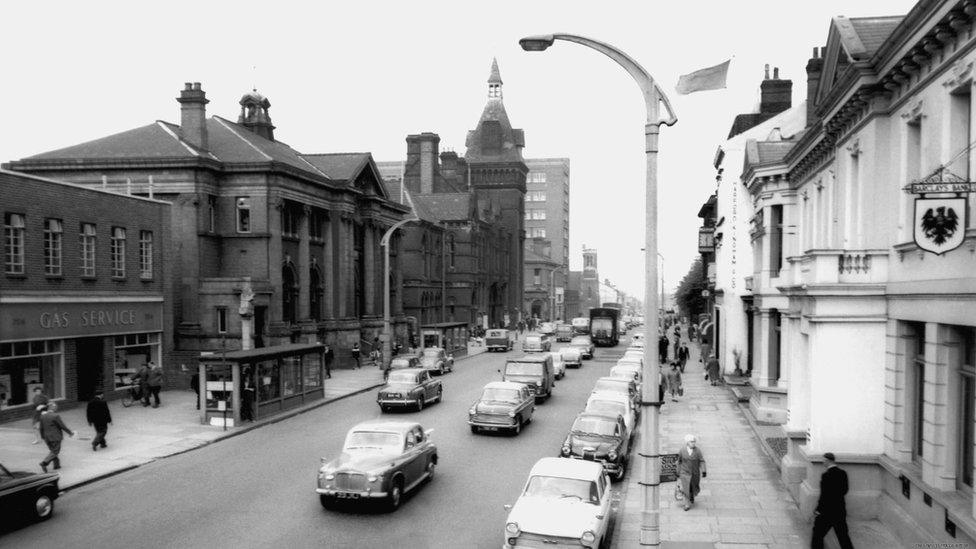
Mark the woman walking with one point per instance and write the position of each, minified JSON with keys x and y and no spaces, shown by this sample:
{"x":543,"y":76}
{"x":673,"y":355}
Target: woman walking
{"x":691,"y":469}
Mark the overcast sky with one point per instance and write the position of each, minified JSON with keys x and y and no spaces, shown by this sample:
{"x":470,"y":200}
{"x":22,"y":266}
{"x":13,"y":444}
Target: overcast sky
{"x":360,"y":76}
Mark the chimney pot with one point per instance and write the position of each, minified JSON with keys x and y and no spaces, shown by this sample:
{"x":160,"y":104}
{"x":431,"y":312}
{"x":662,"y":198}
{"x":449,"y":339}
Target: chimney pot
{"x":188,"y":86}
{"x":196,"y":86}
{"x":767,"y":72}
{"x":775,"y":73}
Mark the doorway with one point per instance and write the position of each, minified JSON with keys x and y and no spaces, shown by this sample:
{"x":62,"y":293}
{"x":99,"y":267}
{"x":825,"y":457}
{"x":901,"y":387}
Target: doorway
{"x":89,"y":356}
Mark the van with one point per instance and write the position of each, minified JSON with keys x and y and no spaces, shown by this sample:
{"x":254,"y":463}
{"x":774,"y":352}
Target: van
{"x":536,"y":371}
{"x":499,"y":340}
{"x":536,"y":344}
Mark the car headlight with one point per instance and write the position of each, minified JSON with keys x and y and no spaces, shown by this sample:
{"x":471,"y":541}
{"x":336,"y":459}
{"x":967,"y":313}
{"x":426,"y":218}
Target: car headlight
{"x":511,"y":414}
{"x":512,"y":528}
{"x":566,"y":450}
{"x":612,"y":455}
{"x":329,"y":476}
{"x":472,"y":411}
{"x":588,"y":537}
{"x":373,"y":478}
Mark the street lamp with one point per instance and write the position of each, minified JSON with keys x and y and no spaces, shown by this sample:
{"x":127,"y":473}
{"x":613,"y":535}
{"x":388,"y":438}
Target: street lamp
{"x":653,"y":96}
{"x":385,"y":243}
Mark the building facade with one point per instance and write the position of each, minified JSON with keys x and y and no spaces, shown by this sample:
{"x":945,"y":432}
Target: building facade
{"x":866,"y":292}
{"x":85,"y":293}
{"x":252,"y":216}
{"x":589,"y":291}
{"x":542,"y":300}
{"x":547,"y":217}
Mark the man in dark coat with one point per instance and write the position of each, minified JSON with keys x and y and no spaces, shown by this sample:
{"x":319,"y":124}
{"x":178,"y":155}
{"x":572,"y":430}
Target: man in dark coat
{"x":141,"y":378}
{"x":355,"y":353}
{"x":38,"y":399}
{"x":99,"y":417}
{"x":662,"y":349}
{"x":154,"y":381}
{"x":329,"y":357}
{"x":52,"y":431}
{"x":831,"y":510}
{"x":195,"y":385}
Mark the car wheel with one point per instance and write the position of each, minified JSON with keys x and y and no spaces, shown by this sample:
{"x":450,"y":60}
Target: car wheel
{"x":440,"y":394}
{"x":518,"y":426}
{"x":619,"y":476}
{"x":420,"y":403}
{"x":396,"y":494}
{"x":474,"y":429}
{"x":43,"y":506}
{"x":431,"y":467}
{"x":327,"y":501}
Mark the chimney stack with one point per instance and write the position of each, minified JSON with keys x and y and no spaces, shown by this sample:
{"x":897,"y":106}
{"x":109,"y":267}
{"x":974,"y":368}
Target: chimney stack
{"x":193,"y":115}
{"x":814,"y":73}
{"x":422,"y":150}
{"x":776,"y":95}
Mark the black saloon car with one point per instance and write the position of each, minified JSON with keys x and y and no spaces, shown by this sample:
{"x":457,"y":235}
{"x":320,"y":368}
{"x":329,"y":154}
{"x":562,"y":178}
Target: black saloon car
{"x":32,"y":494}
{"x":599,"y":437}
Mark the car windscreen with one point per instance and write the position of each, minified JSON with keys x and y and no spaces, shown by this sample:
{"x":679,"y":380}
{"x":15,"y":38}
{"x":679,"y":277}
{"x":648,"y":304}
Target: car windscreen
{"x":400,"y":363}
{"x":523,"y":368}
{"x":594,"y":425}
{"x":601,"y":325}
{"x":558,"y":487}
{"x":610,"y":385}
{"x":606,"y":407}
{"x":580,"y":341}
{"x":402,"y":377}
{"x":369,"y":440}
{"x":622,"y":371}
{"x":496,"y":333}
{"x":502,"y":395}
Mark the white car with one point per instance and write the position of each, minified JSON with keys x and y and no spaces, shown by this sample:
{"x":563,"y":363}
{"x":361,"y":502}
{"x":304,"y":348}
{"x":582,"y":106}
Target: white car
{"x":633,"y":355}
{"x":628,"y":371}
{"x":606,"y":402}
{"x":565,"y":503}
{"x":558,"y":366}
{"x":572,"y":356}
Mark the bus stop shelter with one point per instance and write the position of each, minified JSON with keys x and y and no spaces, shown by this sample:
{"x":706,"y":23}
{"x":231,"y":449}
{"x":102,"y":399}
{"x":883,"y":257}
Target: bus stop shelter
{"x":451,"y":336}
{"x":261,"y":381}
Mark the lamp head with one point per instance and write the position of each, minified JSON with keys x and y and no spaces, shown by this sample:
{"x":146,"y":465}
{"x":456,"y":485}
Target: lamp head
{"x":536,"y":43}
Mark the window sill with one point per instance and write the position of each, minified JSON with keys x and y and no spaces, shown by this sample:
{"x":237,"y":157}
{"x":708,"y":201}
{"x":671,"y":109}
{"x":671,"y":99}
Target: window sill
{"x":15,"y":275}
{"x":90,"y":278}
{"x":118,"y":279}
{"x":146,"y":279}
{"x":53,"y":277}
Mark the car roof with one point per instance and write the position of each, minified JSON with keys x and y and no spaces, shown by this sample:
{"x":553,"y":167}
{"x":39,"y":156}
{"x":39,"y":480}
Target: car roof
{"x":569,"y":348}
{"x":616,"y":379}
{"x":567,"y":468}
{"x":528,"y":358}
{"x":608,"y":395}
{"x":504,"y":385}
{"x":387,"y":425}
{"x":598,"y":415}
{"x":411,"y":370}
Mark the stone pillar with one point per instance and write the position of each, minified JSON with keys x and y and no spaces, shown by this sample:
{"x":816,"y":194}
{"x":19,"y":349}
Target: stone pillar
{"x":370,"y":269}
{"x":788,"y":321}
{"x":330,"y":266}
{"x":940,"y":429}
{"x":760,"y":364}
{"x":343,"y":281}
{"x":275,"y":258}
{"x":304,"y":265}
{"x":350,"y":256}
{"x":897,"y":445}
{"x":187,"y":247}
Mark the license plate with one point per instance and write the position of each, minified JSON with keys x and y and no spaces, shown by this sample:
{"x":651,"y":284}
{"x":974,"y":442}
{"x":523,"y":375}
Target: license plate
{"x":491,"y":428}
{"x":347,"y":495}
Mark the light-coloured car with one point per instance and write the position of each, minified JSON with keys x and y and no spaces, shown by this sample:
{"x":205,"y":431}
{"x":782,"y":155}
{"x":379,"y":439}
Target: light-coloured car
{"x":380,"y":460}
{"x":627,"y":371}
{"x":547,"y":328}
{"x":405,"y":361}
{"x":565,"y":503}
{"x":572,"y":356}
{"x":585,"y":343}
{"x":620,"y":385}
{"x":436,"y":360}
{"x":605,"y":402}
{"x":502,"y":405}
{"x":558,"y":366}
{"x":410,"y":387}
{"x":636,"y":355}
{"x":536,"y":344}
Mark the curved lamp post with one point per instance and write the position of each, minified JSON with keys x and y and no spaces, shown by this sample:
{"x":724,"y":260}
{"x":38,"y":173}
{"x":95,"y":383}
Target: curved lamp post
{"x":385,"y":244}
{"x":650,"y":533}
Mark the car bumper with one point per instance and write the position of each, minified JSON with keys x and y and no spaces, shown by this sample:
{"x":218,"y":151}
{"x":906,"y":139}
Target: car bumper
{"x":350,"y":494}
{"x":608,"y":466}
{"x":491,"y":426}
{"x":573,"y":364}
{"x":397,"y":401}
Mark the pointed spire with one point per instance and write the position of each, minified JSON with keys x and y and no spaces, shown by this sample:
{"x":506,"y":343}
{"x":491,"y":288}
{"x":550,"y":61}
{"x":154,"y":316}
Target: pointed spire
{"x":494,"y":81}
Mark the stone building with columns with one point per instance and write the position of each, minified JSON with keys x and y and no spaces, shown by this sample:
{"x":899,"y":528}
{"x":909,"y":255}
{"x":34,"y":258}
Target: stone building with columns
{"x":869,"y":317}
{"x":302,"y":230}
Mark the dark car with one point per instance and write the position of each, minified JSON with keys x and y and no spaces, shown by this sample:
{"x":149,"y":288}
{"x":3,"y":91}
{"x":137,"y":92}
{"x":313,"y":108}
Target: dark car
{"x":409,"y":387}
{"x":32,"y":494}
{"x":380,"y":461}
{"x":585,"y":343}
{"x":599,"y":437}
{"x":502,"y":405}
{"x":434,"y":359}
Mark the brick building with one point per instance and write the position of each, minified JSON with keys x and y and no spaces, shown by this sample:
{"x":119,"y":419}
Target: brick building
{"x":83,"y":293}
{"x":547,"y":218}
{"x":301,"y":230}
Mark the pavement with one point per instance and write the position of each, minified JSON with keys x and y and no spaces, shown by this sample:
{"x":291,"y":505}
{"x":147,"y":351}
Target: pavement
{"x":139,"y":435}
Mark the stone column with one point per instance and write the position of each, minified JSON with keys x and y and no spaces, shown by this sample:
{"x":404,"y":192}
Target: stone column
{"x":369,"y":270}
{"x":939,"y":435}
{"x":330,"y":266}
{"x":186,"y":244}
{"x":304,"y":265}
{"x":760,"y":363}
{"x":275,"y":257}
{"x":342,"y":252}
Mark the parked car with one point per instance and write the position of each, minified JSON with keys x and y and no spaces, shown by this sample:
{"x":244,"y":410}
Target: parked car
{"x":412,"y":387}
{"x":604,"y":402}
{"x":380,"y":460}
{"x":536,"y":344}
{"x":564,"y":332}
{"x":633,"y":354}
{"x":558,"y":367}
{"x":31,"y":494}
{"x":627,"y":371}
{"x":435,"y":359}
{"x":404,"y":361}
{"x":585,"y":344}
{"x":602,"y":438}
{"x":533,"y":370}
{"x":621,"y":327}
{"x":547,"y":328}
{"x":572,"y":356}
{"x":623,"y":386}
{"x":565,"y":503}
{"x":499,"y":340}
{"x":502,"y":405}
{"x":581,"y":325}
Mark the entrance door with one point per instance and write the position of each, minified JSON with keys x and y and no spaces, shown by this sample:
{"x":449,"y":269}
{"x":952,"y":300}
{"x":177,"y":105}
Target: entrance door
{"x":89,"y":357}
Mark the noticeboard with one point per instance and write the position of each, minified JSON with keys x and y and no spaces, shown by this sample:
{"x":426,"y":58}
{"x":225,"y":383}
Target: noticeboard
{"x":669,"y":467}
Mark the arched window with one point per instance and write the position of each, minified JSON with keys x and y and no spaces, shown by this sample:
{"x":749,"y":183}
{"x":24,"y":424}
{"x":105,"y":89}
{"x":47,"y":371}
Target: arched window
{"x":289,"y":293}
{"x":451,"y":250}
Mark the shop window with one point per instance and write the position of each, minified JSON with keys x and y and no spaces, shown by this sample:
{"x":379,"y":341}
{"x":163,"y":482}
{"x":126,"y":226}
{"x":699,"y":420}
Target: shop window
{"x":221,"y":320}
{"x":132,"y":352}
{"x":26,"y":365}
{"x":312,"y":370}
{"x":118,"y":252}
{"x":86,"y":241}
{"x":243,"y":214}
{"x":145,"y":255}
{"x":291,"y":375}
{"x":13,"y":243}
{"x":268,"y":381}
{"x":53,"y":233}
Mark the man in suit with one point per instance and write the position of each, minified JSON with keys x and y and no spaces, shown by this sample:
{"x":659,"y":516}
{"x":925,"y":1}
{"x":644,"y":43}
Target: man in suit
{"x":52,"y":429}
{"x":831,"y":511}
{"x":99,"y":417}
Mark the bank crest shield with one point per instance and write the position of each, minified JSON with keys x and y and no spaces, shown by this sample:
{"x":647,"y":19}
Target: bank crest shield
{"x":940,"y":224}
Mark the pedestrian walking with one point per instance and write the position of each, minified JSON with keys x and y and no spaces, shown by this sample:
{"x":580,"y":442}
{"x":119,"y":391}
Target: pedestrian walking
{"x":831,"y":509}
{"x":52,"y":431}
{"x":141,"y":379}
{"x":674,"y":382}
{"x":329,"y":357}
{"x":711,"y":369}
{"x":355,"y":353}
{"x":247,"y":398}
{"x":195,"y":385}
{"x":683,"y":353}
{"x":677,"y":345}
{"x":154,"y":381}
{"x":37,"y":401}
{"x":662,"y":349}
{"x":661,"y":383}
{"x":691,"y":469}
{"x":99,"y":417}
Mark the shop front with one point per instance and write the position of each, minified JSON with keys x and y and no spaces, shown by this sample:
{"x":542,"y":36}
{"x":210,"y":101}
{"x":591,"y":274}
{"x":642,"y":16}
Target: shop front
{"x":451,"y":336}
{"x":71,"y":350}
